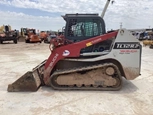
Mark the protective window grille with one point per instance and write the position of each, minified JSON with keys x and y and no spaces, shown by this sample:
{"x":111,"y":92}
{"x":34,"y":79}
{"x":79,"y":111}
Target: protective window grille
{"x":84,"y":28}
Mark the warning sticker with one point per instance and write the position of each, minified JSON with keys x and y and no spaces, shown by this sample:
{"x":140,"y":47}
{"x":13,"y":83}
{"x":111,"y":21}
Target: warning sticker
{"x":88,"y":44}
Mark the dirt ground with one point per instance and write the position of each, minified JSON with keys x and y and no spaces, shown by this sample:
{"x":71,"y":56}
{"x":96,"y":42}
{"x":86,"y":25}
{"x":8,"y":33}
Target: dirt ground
{"x":135,"y":98}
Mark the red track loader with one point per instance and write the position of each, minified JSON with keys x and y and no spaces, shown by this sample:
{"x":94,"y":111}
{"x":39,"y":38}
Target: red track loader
{"x":85,"y":58}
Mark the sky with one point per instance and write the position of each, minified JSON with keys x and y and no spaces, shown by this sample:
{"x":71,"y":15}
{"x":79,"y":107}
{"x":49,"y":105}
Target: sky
{"x":46,"y":14}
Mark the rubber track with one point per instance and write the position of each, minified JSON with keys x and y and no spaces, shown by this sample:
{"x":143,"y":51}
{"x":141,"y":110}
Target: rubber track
{"x":55,"y":86}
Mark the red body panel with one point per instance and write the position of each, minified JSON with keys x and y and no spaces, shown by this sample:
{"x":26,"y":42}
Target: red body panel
{"x":71,"y":50}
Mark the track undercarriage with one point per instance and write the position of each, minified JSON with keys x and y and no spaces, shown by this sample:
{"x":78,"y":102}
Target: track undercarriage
{"x":97,"y":77}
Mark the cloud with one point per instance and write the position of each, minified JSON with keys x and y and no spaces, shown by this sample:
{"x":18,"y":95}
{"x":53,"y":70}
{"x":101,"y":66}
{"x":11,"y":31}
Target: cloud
{"x":132,"y":13}
{"x":65,"y":6}
{"x":18,"y":20}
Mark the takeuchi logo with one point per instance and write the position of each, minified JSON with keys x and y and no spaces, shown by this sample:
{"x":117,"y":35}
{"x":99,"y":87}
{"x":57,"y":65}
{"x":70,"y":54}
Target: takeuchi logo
{"x":66,"y":53}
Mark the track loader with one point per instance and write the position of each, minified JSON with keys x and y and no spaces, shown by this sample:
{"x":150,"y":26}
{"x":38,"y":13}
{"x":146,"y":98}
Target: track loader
{"x":85,"y":58}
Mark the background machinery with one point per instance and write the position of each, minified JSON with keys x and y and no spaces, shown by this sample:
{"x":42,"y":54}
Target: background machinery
{"x":31,"y":36}
{"x":7,"y":34}
{"x":85,"y":58}
{"x":43,"y":35}
{"x":49,"y":37}
{"x":23,"y":32}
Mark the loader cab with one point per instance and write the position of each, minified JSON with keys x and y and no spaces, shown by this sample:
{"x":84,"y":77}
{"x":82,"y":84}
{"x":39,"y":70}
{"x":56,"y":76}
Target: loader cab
{"x":85,"y":26}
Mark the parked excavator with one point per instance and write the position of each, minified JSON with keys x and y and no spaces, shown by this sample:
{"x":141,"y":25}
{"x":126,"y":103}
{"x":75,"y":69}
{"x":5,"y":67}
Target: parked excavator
{"x":86,"y":58}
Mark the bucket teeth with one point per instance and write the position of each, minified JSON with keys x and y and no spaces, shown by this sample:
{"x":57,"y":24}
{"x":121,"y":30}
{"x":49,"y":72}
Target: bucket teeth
{"x":28,"y":82}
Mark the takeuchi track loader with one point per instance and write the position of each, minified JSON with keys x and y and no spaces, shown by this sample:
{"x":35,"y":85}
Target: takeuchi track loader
{"x":85,"y":58}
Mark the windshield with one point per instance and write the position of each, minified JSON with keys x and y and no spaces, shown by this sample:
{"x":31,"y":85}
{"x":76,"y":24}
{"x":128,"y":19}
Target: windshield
{"x":84,"y":27}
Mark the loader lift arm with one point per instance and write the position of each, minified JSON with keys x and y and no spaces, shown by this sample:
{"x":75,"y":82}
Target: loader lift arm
{"x":72,"y":50}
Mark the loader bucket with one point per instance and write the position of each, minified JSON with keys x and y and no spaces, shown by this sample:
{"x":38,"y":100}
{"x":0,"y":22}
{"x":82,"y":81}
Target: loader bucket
{"x":30,"y":81}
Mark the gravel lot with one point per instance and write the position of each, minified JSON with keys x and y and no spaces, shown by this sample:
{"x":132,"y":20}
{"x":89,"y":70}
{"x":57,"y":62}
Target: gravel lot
{"x":135,"y":98}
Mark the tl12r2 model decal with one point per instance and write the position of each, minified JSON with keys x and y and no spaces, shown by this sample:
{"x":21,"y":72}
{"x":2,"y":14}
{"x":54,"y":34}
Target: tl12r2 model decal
{"x":127,"y":47}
